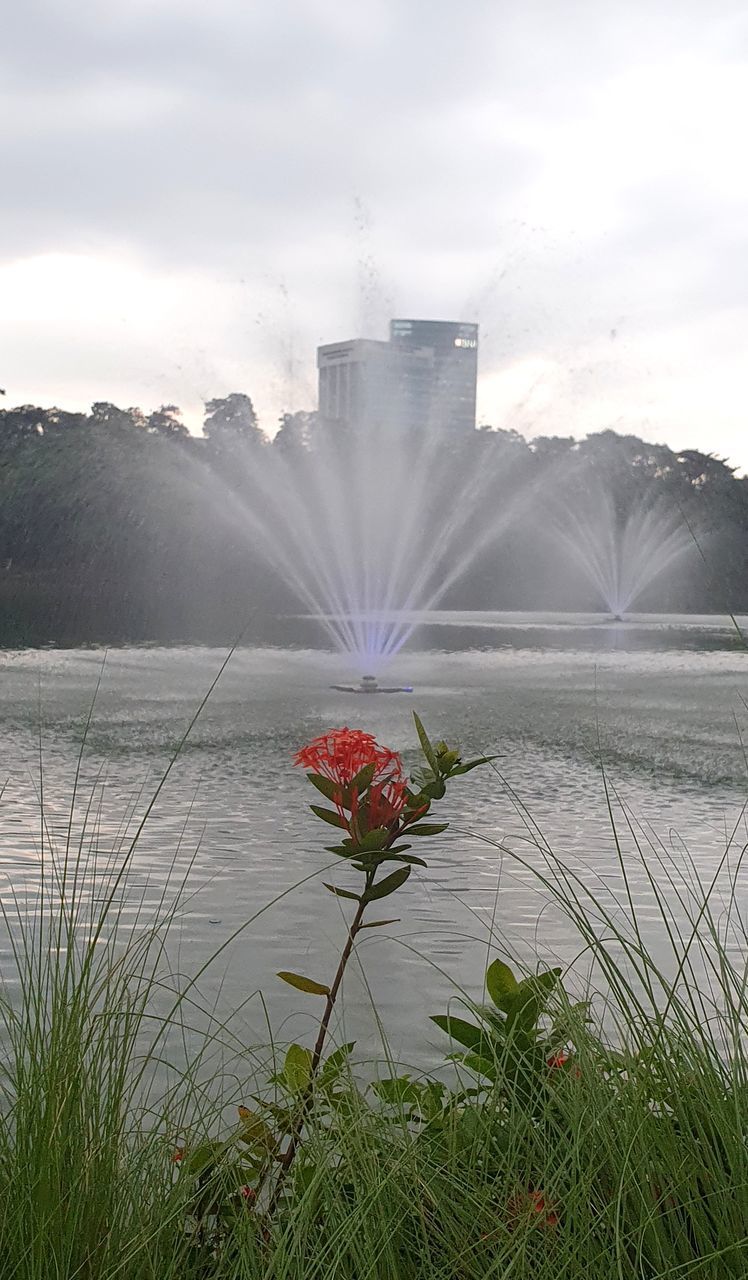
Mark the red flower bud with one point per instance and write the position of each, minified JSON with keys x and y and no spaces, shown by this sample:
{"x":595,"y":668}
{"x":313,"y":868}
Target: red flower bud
{"x":384,"y":803}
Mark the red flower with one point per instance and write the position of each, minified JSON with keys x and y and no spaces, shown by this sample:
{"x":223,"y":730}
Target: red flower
{"x":340,"y":754}
{"x":562,"y":1059}
{"x":248,"y":1193}
{"x":546,"y":1215}
{"x":533,"y":1206}
{"x":178,"y":1155}
{"x":384,"y":803}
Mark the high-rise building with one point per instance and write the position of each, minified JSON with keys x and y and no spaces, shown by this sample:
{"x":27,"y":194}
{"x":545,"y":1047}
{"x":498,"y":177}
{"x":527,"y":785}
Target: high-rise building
{"x":425,"y":376}
{"x":365,"y":383}
{"x":454,"y":367}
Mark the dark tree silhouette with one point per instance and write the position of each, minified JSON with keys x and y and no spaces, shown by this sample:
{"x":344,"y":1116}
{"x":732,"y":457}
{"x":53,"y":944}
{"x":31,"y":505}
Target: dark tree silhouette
{"x":231,"y":422}
{"x":295,"y":432}
{"x":167,"y":421}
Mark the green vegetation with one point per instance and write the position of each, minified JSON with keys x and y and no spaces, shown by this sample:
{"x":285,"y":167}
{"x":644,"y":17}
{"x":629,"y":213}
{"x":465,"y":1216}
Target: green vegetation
{"x":118,"y":526}
{"x":585,"y":1123}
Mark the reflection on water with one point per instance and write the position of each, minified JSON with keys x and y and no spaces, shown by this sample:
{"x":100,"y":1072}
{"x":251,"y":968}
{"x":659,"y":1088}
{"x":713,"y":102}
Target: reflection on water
{"x":665,"y":721}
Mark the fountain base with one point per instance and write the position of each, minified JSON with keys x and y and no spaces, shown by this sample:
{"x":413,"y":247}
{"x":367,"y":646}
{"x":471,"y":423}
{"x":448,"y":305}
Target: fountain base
{"x":368,"y":684}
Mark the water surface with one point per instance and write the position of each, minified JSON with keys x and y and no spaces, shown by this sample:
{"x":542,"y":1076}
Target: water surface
{"x":657,"y":707}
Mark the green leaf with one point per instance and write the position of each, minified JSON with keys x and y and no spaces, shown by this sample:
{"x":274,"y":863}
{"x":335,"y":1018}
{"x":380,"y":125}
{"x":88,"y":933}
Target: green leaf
{"x":482,"y":1066}
{"x":426,"y":746}
{"x":204,"y":1157}
{"x":427,"y":828}
{"x":327,"y":815}
{"x":541,"y":984}
{"x":301,"y":983}
{"x":371,"y":861}
{"x":472,"y":764}
{"x":329,"y":789}
{"x":297,"y":1068}
{"x":463,"y":1032}
{"x":254,"y":1130}
{"x":406,"y":857}
{"x":334,"y":1062}
{"x":396,"y":1090}
{"x":304,"y":1177}
{"x":530,"y":999}
{"x":387,"y":886}
{"x":341,"y":893}
{"x":363,"y":779}
{"x":340,"y":1055}
{"x":526,"y":1009}
{"x":374,"y":840}
{"x":377,"y":924}
{"x":284,"y":1117}
{"x":496,"y":1020}
{"x":501,"y":984}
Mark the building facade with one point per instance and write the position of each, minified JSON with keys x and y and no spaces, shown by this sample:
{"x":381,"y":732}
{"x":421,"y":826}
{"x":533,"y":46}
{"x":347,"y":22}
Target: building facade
{"x":453,"y":348}
{"x":425,"y":376}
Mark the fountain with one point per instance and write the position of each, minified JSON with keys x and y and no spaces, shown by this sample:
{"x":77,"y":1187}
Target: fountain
{"x":371,"y":528}
{"x":622,"y":556}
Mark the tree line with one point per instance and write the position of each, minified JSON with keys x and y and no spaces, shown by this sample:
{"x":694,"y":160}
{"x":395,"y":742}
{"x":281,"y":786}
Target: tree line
{"x":113,"y":522}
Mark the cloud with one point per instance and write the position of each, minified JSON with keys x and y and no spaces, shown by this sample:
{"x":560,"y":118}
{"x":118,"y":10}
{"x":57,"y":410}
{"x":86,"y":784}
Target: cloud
{"x":245,"y":181}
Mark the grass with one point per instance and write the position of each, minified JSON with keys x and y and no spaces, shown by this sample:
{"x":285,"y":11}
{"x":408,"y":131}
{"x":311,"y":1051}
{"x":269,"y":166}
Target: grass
{"x":628,"y":1159}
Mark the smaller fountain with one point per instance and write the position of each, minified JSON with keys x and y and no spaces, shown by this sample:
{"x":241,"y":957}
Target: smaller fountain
{"x":621,"y":557}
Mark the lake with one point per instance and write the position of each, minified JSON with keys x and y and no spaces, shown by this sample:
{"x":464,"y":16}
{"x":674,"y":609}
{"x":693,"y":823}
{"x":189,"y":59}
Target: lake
{"x":658,"y":702}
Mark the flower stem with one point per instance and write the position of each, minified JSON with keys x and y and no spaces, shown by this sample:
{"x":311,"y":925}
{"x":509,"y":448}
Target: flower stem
{"x":289,"y":1155}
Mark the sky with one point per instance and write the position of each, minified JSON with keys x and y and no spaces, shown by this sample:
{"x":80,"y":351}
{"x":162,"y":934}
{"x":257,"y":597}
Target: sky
{"x":194,"y":196}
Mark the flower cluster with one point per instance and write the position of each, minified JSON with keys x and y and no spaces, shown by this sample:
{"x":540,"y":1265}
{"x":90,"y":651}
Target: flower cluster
{"x":342,"y":753}
{"x":370,"y":789}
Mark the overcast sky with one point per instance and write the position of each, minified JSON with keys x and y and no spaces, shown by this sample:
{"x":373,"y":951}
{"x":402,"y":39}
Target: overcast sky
{"x":195,"y":194}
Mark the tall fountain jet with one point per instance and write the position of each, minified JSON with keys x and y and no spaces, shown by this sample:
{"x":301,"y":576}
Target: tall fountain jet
{"x":393,"y":496}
